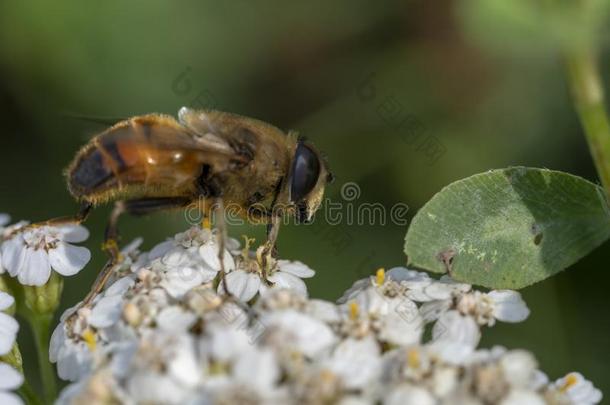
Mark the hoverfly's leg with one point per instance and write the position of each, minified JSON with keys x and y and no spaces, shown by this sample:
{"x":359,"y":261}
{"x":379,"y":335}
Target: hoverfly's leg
{"x":221,"y":228}
{"x":266,"y":253}
{"x":77,"y":219}
{"x":111,"y":247}
{"x":136,"y":207}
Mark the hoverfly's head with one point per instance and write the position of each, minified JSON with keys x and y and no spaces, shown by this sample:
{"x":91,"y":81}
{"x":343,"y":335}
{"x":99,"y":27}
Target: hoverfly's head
{"x":307,"y":180}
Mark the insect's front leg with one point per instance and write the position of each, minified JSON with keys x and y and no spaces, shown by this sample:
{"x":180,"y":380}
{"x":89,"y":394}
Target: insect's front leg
{"x":267,"y":252}
{"x":221,"y":229}
{"x":111,"y":247}
{"x":77,"y":219}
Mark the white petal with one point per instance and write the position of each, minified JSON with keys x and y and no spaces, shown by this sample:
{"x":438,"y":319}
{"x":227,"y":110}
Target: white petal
{"x":57,"y":342}
{"x":183,"y":364}
{"x":119,"y":287}
{"x":357,"y":362}
{"x":409,"y":395}
{"x":519,"y":367}
{"x":522,"y":397}
{"x":285,"y":280}
{"x":229,"y":342}
{"x":354,"y":290}
{"x":307,"y":334}
{"x":266,"y":366}
{"x":399,"y":274}
{"x":73,"y":233}
{"x":175,"y":257}
{"x":122,"y":356}
{"x":68,"y":260}
{"x":455,"y":337}
{"x":106,"y":312}
{"x":10,"y":378}
{"x":8,"y":332}
{"x":147,"y":387}
{"x":509,"y":306}
{"x":6,"y":300}
{"x":323,"y":310}
{"x":13,"y":254}
{"x":35,"y":269}
{"x":161,"y":249}
{"x":7,"y":398}
{"x":4,"y":219}
{"x":296,"y":268}
{"x":132,"y":246}
{"x":209,"y":254}
{"x":179,"y":282}
{"x":175,"y":319}
{"x":403,"y":325}
{"x":432,"y":310}
{"x":73,"y":362}
{"x":242,"y":285}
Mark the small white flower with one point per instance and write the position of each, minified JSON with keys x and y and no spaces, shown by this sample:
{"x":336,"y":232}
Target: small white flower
{"x":108,"y":307}
{"x":519,"y":368}
{"x":523,"y":397}
{"x":412,"y":283}
{"x":508,"y":306}
{"x":244,"y":283}
{"x":301,"y":332}
{"x":175,"y":319}
{"x":356,"y":361}
{"x":266,"y":366}
{"x":73,"y":358}
{"x":394,"y":320}
{"x":454,"y":337}
{"x":578,"y":390}
{"x":8,"y":325}
{"x":406,"y":394}
{"x":30,"y":255}
{"x":484,"y":308}
{"x":227,"y":342}
{"x":10,"y":379}
{"x":289,"y":274}
{"x":185,"y":269}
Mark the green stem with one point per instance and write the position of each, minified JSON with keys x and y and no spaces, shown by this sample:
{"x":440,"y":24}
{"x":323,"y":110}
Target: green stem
{"x":28,"y":394}
{"x":41,"y":324}
{"x":588,"y":94}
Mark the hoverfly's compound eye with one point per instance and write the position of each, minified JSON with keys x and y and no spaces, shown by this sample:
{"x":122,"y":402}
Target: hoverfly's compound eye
{"x":305,"y":172}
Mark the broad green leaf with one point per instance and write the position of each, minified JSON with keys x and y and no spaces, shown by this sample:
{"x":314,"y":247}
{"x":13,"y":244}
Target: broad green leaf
{"x":508,"y":228}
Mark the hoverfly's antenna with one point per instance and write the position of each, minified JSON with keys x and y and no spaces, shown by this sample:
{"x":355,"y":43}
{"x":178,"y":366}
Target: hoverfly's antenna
{"x":106,"y":121}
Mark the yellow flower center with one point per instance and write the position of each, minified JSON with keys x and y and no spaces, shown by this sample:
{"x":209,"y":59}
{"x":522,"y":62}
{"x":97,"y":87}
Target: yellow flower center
{"x":571,"y":380}
{"x":89,"y":338}
{"x":413,"y":359}
{"x":380,"y":276}
{"x":353,"y":310}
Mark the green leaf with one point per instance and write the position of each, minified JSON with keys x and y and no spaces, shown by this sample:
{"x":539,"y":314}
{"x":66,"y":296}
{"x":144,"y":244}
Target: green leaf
{"x":508,"y":228}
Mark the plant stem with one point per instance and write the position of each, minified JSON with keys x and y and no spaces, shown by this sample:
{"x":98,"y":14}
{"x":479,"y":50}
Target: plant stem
{"x":41,"y":327}
{"x":28,"y":394}
{"x":588,"y":94}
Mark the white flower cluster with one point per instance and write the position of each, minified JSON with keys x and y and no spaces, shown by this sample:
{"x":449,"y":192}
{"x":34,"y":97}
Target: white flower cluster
{"x":31,"y":254}
{"x":164,"y":332}
{"x":10,"y":379}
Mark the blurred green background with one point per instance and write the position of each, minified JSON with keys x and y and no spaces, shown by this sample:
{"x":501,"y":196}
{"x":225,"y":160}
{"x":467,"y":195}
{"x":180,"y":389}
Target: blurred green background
{"x":403,"y":97}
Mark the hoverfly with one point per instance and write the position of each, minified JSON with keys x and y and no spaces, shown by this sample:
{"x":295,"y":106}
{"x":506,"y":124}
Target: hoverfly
{"x":154,"y":162}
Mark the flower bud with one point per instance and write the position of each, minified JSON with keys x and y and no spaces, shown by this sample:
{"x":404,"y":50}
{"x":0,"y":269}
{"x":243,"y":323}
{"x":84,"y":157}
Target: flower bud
{"x":44,"y":300}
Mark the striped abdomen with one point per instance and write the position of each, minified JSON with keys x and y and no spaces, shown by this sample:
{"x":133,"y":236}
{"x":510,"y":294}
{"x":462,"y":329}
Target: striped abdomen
{"x":148,"y":156}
